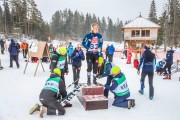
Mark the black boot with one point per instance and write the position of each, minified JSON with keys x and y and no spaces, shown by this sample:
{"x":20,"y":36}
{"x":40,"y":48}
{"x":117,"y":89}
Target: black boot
{"x":68,"y":105}
{"x":94,"y":80}
{"x":89,"y":81}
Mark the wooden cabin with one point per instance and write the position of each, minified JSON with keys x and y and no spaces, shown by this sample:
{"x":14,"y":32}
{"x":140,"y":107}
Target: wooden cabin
{"x":140,"y":32}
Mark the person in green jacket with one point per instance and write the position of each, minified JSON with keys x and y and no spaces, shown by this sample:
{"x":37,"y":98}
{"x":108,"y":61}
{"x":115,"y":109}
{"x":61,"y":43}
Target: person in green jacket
{"x":120,"y":88}
{"x":50,"y":95}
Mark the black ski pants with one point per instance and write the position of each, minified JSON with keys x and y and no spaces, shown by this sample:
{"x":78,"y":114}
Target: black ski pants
{"x":15,"y":58}
{"x":150,"y":77}
{"x":76,"y":72}
{"x":92,"y":62}
{"x":167,"y":66}
{"x":52,"y":106}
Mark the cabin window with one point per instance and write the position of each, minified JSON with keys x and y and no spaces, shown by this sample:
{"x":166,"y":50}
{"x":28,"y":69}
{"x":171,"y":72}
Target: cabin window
{"x":145,"y":33}
{"x":135,"y":33}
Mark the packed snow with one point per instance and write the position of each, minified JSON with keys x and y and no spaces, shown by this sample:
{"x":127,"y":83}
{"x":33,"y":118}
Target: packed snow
{"x":19,"y":92}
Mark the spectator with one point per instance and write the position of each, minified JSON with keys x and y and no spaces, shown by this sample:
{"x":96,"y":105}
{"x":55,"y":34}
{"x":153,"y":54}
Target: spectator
{"x":111,"y":51}
{"x":13,"y":50}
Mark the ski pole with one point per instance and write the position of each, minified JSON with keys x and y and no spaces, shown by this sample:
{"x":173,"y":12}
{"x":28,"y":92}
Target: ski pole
{"x":72,"y":83}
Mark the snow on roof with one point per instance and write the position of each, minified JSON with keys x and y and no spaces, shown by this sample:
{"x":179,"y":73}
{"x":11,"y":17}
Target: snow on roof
{"x":141,"y":22}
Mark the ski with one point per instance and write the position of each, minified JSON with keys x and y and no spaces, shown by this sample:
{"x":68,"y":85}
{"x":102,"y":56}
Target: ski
{"x":71,"y":94}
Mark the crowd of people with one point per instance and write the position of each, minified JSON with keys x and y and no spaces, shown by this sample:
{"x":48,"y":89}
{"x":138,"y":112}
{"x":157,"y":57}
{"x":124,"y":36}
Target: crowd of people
{"x":98,"y":66}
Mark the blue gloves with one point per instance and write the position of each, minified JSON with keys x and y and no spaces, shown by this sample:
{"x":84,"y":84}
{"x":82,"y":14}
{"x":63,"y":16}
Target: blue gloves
{"x":80,"y":53}
{"x":77,"y":55}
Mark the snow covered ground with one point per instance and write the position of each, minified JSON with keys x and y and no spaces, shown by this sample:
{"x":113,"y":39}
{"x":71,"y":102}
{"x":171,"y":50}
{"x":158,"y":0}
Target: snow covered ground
{"x":19,"y":92}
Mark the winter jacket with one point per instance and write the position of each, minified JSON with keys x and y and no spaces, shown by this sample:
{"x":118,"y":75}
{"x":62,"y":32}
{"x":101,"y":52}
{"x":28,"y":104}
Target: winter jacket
{"x":111,"y":50}
{"x":92,"y":42}
{"x":13,"y":48}
{"x":169,"y":57}
{"x":59,"y":61}
{"x":106,"y":69}
{"x":159,"y":65}
{"x":119,"y":88}
{"x":48,"y":93}
{"x":147,"y":61}
{"x":77,"y":56}
{"x":70,"y":49}
{"x":129,"y":52}
{"x":24,"y":46}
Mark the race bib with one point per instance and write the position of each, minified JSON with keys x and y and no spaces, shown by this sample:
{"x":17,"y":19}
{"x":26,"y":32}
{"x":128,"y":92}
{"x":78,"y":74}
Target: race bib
{"x":94,"y":44}
{"x":61,"y":63}
{"x":122,"y":88}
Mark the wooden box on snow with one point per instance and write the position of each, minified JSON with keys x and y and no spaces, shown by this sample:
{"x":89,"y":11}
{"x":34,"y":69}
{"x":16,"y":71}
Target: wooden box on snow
{"x":92,"y":98}
{"x":93,"y":90}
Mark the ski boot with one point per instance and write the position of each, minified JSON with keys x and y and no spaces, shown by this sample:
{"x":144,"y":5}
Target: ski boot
{"x":68,"y":105}
{"x":166,"y":77}
{"x":141,"y":92}
{"x":151,"y":97}
{"x":94,"y":80}
{"x":42,"y":111}
{"x":131,"y":103}
{"x":169,"y":77}
{"x":35,"y":108}
{"x":89,"y":81}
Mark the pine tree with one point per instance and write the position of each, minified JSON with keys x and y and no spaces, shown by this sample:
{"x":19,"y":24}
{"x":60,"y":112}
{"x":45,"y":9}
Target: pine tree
{"x":103,"y":27}
{"x":76,"y":25}
{"x":161,"y":22}
{"x":110,"y":30}
{"x":1,"y":20}
{"x":7,"y":16}
{"x":152,"y":13}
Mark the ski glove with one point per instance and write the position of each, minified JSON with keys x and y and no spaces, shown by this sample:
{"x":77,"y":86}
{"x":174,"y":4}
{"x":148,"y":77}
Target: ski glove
{"x":80,"y":53}
{"x":99,"y":76}
{"x":77,"y":55}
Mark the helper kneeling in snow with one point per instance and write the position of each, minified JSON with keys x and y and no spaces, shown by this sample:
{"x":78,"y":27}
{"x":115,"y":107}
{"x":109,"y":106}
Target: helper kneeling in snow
{"x":104,"y":69}
{"x":53,"y":89}
{"x":120,"y":88}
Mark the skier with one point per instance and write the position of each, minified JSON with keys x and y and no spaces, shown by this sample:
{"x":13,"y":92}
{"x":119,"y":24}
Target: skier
{"x":13,"y":50}
{"x":53,"y":89}
{"x":59,"y":60}
{"x":120,"y":88}
{"x":70,"y":51}
{"x":93,"y":43}
{"x":104,"y":68}
{"x":77,"y":56}
{"x":129,"y":55}
{"x":148,"y":61}
{"x":111,"y":53}
{"x":169,"y":62}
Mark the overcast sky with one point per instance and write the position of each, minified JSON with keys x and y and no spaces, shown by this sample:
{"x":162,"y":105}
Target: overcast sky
{"x":122,"y":9}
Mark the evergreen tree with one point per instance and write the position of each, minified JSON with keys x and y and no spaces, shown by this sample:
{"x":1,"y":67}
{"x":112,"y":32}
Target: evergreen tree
{"x":7,"y":16}
{"x":152,"y":13}
{"x":76,"y":25}
{"x":1,"y":20}
{"x":110,"y":30}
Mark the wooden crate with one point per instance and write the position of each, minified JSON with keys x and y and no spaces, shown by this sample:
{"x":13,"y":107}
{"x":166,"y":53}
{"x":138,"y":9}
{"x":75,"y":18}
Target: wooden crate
{"x":92,"y":98}
{"x":93,"y":90}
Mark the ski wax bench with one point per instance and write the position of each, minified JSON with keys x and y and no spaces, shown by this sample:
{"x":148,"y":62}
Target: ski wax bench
{"x":92,"y":98}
